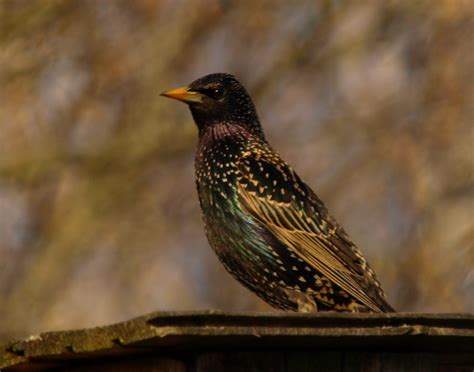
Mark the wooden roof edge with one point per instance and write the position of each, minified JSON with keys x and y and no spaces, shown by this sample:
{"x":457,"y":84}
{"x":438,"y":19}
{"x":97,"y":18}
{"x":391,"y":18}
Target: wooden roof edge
{"x":165,"y":330}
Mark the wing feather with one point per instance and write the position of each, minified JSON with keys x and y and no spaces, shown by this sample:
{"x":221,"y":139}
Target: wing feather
{"x":295,"y":216}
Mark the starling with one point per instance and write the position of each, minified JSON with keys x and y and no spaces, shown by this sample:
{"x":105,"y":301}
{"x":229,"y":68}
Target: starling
{"x":268,"y":228}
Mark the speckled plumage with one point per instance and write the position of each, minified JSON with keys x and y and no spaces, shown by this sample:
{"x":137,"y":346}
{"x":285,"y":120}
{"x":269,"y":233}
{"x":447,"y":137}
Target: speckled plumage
{"x":268,"y":228}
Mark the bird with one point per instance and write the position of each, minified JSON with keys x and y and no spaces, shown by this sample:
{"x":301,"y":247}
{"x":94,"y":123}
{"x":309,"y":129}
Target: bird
{"x":269,"y":228}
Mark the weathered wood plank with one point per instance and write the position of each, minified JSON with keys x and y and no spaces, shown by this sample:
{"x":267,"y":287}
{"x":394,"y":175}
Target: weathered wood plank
{"x":456,"y":362}
{"x":362,"y":361}
{"x":409,"y":362}
{"x":275,"y":332}
{"x":135,"y":364}
{"x":240,"y":362}
{"x":306,"y":361}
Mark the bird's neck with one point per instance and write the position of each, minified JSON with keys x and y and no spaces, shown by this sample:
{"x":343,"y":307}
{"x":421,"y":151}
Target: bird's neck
{"x":212,"y":135}
{"x":224,"y":139}
{"x":217,"y":125}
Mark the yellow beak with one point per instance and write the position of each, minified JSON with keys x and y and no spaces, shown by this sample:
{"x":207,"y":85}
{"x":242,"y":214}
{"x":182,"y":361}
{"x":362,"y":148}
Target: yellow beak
{"x":183,"y":94}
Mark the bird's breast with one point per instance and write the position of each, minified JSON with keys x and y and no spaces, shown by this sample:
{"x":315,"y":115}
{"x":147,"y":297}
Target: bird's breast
{"x":216,"y":167}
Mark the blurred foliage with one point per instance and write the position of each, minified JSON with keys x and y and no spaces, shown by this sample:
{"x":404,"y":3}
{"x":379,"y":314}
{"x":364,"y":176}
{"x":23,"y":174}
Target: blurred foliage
{"x":372,"y":103}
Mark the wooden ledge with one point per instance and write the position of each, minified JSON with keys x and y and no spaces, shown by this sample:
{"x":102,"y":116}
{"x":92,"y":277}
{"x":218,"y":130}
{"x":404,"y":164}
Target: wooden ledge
{"x":192,"y":332}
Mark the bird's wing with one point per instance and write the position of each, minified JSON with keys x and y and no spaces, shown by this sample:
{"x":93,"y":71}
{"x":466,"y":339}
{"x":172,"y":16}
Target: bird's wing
{"x":273,"y":194}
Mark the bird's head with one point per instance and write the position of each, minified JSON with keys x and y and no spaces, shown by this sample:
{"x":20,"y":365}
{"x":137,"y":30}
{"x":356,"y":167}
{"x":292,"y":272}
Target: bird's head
{"x":218,"y":99}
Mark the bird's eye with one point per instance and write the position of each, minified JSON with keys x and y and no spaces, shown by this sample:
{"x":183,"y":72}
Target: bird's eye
{"x":215,"y":93}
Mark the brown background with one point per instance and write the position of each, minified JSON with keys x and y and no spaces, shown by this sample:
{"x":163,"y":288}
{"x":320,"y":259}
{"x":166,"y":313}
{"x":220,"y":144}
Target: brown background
{"x":371,"y":102}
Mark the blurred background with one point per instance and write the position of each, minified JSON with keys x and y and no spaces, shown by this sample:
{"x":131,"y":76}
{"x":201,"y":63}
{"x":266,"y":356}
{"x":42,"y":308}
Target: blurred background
{"x":371,"y":102}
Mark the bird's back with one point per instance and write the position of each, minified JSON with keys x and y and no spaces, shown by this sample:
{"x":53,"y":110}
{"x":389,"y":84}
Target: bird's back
{"x":273,"y":233}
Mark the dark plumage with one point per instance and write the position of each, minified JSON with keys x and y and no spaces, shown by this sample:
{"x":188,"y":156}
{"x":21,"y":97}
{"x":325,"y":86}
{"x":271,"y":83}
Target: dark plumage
{"x":269,"y":229}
